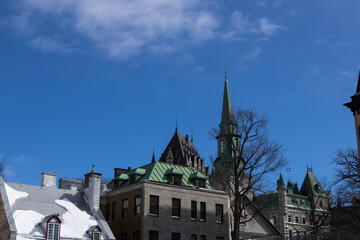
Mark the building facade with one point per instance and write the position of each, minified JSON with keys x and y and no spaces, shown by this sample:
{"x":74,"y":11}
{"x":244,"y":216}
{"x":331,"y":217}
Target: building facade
{"x":47,"y":212}
{"x":294,"y":211}
{"x":165,"y":201}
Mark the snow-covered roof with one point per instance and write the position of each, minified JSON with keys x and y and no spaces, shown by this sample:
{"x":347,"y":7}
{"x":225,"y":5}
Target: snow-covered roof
{"x":26,"y":206}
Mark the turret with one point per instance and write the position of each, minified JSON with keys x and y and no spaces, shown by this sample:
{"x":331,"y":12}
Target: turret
{"x":281,"y":189}
{"x":354,"y":106}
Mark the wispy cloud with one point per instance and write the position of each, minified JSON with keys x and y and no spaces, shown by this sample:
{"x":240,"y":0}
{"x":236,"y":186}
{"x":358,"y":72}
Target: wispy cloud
{"x":254,"y":53}
{"x":50,"y":45}
{"x":120,"y":28}
{"x":322,"y":39}
{"x":348,"y":74}
{"x":244,"y":25}
{"x":24,"y":159}
{"x":265,"y":3}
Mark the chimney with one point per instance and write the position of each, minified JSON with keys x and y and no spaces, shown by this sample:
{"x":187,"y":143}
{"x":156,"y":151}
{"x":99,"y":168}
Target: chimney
{"x":48,"y":179}
{"x":118,"y":171}
{"x":92,"y":188}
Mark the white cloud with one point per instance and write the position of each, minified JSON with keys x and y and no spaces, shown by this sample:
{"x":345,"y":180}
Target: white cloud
{"x":50,"y":45}
{"x":254,"y":53}
{"x":244,"y":25}
{"x":24,"y":158}
{"x":119,"y":27}
{"x":348,"y":74}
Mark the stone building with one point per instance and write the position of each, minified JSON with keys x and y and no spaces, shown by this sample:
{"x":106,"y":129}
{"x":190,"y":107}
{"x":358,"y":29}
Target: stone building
{"x":294,"y":211}
{"x":182,"y":151}
{"x":165,"y":201}
{"x":47,"y":212}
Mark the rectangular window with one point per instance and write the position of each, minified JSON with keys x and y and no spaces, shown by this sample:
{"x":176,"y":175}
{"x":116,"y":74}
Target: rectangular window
{"x":202,"y":211}
{"x":96,"y":236}
{"x":137,"y":235}
{"x":193,"y":209}
{"x":201,"y":183}
{"x":296,"y":219}
{"x":289,"y":218}
{"x":113,"y":211}
{"x":193,"y":237}
{"x":273,"y":219}
{"x":137,"y":205}
{"x":177,"y":180}
{"x":107,"y":214}
{"x":303,"y":221}
{"x":153,"y":235}
{"x":154,"y":204}
{"x":219,"y":238}
{"x":124,"y":236}
{"x":175,"y":236}
{"x":202,"y":237}
{"x":125,"y":205}
{"x":219,"y":213}
{"x":176,"y":207}
{"x":290,"y":233}
{"x":53,"y":231}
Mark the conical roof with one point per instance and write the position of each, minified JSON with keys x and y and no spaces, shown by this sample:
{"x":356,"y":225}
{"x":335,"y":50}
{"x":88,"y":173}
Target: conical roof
{"x":281,"y":183}
{"x":227,"y":115}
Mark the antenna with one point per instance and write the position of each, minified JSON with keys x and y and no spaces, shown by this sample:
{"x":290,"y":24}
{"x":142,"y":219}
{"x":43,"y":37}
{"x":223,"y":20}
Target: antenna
{"x":176,"y":126}
{"x":225,"y":72}
{"x":192,"y":135}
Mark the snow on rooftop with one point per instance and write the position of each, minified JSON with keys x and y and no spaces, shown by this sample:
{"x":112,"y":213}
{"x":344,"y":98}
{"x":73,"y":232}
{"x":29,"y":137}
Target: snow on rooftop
{"x":26,"y":222}
{"x":13,"y":195}
{"x":75,"y":222}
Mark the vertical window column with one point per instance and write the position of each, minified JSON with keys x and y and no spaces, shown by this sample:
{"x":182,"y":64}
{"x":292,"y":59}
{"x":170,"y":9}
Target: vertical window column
{"x":193,"y":210}
{"x":219,"y":213}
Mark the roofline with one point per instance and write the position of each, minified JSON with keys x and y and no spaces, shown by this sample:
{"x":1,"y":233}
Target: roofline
{"x":6,"y":205}
{"x":146,"y":181}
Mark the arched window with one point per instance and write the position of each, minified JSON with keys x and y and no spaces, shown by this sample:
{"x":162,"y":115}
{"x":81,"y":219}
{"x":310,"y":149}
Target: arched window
{"x":221,"y":146}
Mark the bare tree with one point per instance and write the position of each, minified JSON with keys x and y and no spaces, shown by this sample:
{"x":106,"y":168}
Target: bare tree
{"x":347,"y":194}
{"x":254,"y":158}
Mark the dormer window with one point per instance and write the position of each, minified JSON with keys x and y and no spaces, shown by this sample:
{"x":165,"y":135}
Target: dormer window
{"x":198,"y":179}
{"x":175,"y":176}
{"x":53,"y":232}
{"x":52,"y":225}
{"x":95,"y":232}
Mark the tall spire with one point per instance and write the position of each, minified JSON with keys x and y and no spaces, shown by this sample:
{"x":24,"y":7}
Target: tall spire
{"x":227,"y":115}
{"x":153,"y":156}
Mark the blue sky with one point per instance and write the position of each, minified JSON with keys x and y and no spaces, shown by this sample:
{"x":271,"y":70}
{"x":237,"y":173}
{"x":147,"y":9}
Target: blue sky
{"x":101,"y":82}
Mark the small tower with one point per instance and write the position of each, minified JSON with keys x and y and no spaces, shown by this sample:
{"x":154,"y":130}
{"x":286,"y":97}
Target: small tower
{"x":354,"y":106}
{"x":228,"y":138}
{"x":281,"y":189}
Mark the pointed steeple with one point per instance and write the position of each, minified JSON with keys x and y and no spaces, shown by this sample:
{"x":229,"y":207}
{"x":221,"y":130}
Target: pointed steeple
{"x":280,"y":183}
{"x":153,"y":156}
{"x":227,"y":115}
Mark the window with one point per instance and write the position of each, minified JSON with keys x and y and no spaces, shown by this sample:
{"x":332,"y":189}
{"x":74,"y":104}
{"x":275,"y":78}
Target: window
{"x":137,"y":235}
{"x":193,"y":237}
{"x":125,"y":205}
{"x":290,"y":233}
{"x":219,"y":238}
{"x":176,"y":207}
{"x":96,"y":236}
{"x":321,"y":203}
{"x":137,"y":205}
{"x":289,"y":218}
{"x":296,"y":219}
{"x":175,"y":236}
{"x":124,"y":236}
{"x":219,"y":213}
{"x":201,"y":183}
{"x":107,"y":215}
{"x":153,"y":235}
{"x":193,"y":209}
{"x":221,"y":146}
{"x":53,"y":231}
{"x":177,"y":180}
{"x":154,"y":204}
{"x":202,"y":211}
{"x":273,"y":219}
{"x":303,"y":221}
{"x":132,"y":179}
{"x":202,"y":237}
{"x":113,"y":211}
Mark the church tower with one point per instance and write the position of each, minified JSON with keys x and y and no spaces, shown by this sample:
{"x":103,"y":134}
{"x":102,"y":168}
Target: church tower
{"x":354,"y":106}
{"x":228,"y":139}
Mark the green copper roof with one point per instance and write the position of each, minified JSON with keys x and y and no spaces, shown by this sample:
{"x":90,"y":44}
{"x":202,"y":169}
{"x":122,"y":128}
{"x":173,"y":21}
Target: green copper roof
{"x":281,"y":183}
{"x":311,"y":186}
{"x":123,"y":177}
{"x":227,"y":115}
{"x":157,"y":172}
{"x":197,"y":175}
{"x":173,"y":171}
